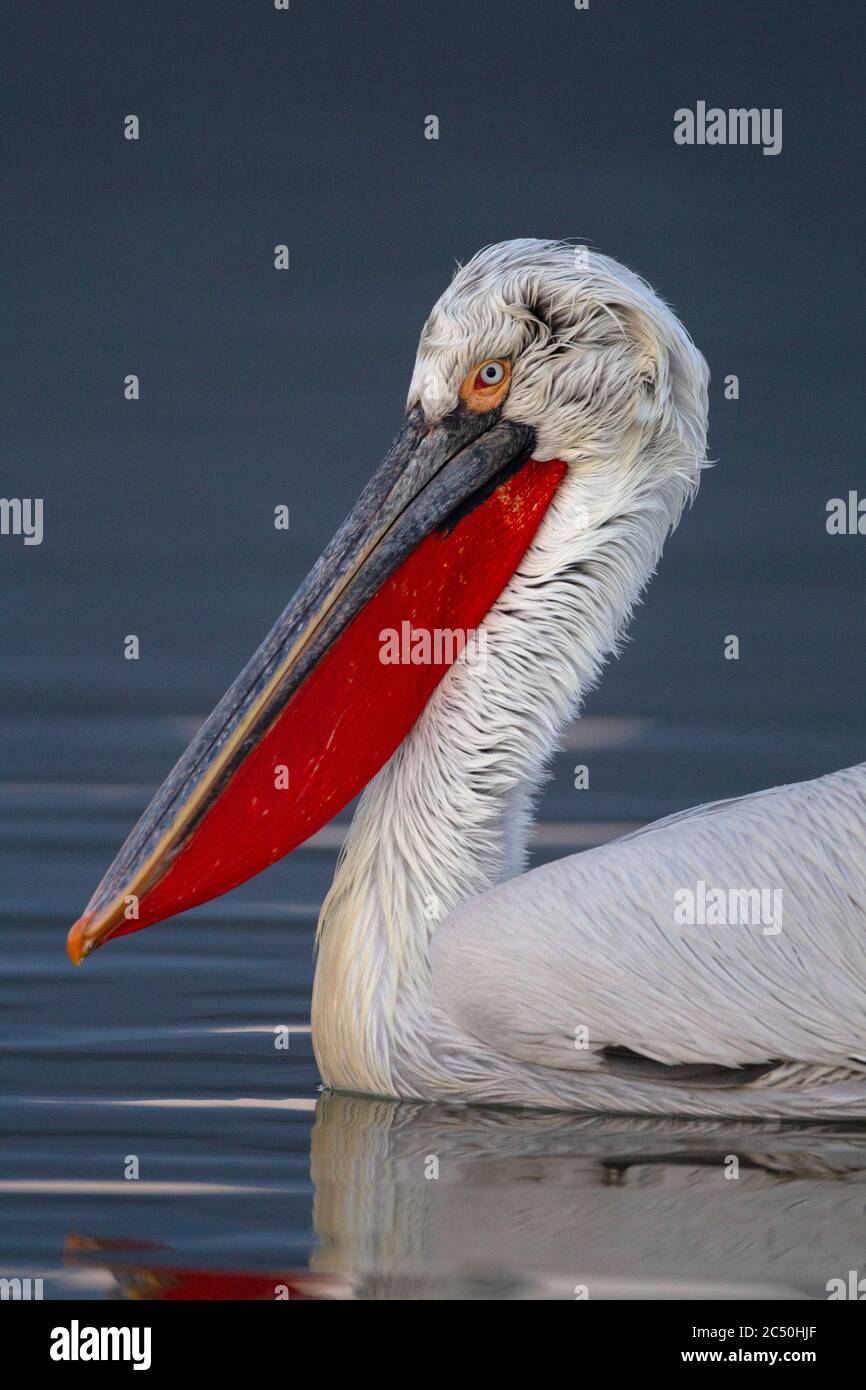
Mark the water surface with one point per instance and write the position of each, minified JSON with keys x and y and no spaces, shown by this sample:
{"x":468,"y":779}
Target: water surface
{"x":160,"y":1057}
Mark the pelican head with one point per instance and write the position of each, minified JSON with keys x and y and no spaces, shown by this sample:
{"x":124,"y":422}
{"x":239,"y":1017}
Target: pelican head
{"x":552,"y":391}
{"x":594,"y":363}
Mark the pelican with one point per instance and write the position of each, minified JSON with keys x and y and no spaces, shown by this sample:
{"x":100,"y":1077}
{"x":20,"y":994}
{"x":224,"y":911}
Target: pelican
{"x":555,"y":430}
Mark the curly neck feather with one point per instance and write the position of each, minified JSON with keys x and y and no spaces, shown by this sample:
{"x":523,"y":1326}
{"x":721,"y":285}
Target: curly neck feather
{"x":450,"y":814}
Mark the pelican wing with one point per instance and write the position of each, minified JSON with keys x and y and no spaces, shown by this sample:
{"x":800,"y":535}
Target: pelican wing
{"x":705,"y":949}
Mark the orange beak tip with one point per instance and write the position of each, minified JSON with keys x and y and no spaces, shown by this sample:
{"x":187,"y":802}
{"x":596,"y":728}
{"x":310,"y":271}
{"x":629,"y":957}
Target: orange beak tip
{"x":78,"y":945}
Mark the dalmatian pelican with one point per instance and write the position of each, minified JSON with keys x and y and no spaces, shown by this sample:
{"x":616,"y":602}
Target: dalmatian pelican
{"x":555,"y":430}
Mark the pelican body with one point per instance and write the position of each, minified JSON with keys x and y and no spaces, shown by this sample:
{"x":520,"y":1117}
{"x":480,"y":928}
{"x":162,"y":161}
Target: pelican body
{"x":555,"y":430}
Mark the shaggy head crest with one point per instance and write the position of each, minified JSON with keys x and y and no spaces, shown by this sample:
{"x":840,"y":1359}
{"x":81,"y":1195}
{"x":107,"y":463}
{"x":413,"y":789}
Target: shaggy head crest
{"x":601,"y":368}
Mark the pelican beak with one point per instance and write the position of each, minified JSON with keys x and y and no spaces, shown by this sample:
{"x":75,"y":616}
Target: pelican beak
{"x":432,"y":541}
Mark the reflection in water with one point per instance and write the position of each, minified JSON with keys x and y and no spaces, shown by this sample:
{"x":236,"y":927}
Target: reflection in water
{"x":536,"y":1204}
{"x":131,"y":1278}
{"x":421,"y":1201}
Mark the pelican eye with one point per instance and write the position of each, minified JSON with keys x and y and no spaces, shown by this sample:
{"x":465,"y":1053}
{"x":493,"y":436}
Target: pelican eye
{"x":490,"y":374}
{"x":487,"y":384}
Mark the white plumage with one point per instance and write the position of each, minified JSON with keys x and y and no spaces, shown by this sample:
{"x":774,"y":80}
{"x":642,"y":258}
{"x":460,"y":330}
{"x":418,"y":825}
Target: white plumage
{"x":444,"y":971}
